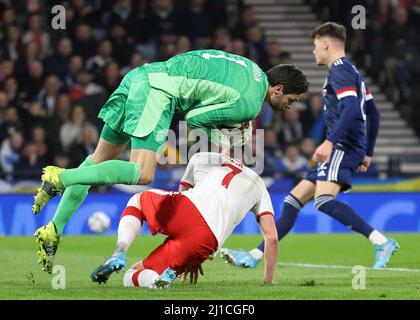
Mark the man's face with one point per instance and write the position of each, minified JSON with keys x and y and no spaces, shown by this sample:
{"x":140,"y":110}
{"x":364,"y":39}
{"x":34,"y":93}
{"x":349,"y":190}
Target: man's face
{"x":320,"y":52}
{"x":65,"y":47}
{"x":279,"y":101}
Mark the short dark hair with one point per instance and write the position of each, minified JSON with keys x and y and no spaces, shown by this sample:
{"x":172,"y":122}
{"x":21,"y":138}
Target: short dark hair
{"x":330,"y":29}
{"x":288,"y":75}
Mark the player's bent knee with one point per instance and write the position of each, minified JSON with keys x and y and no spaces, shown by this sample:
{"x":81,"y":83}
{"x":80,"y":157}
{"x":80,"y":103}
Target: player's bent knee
{"x":106,"y":150}
{"x":95,"y":157}
{"x":98,"y":157}
{"x":146,"y":178}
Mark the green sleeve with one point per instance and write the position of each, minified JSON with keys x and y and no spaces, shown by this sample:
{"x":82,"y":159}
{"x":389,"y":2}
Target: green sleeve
{"x":203,"y":122}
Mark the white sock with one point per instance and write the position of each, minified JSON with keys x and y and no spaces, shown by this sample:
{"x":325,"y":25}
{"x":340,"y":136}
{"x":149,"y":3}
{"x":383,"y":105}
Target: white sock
{"x":377,"y":238}
{"x":128,"y":278}
{"x":146,"y":278}
{"x":256,"y":253}
{"x":128,"y":228}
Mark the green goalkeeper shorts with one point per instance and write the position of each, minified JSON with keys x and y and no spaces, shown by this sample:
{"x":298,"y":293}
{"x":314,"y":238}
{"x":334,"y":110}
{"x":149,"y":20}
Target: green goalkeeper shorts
{"x":148,"y":142}
{"x":137,"y":111}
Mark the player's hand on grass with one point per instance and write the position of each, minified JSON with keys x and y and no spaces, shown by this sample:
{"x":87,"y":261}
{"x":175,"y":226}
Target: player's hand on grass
{"x":323,"y":152}
{"x":365,"y":164}
{"x":193,"y":272}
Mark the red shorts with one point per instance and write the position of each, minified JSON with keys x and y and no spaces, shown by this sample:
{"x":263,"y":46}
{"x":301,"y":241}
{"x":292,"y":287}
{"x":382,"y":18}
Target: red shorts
{"x":190,"y":241}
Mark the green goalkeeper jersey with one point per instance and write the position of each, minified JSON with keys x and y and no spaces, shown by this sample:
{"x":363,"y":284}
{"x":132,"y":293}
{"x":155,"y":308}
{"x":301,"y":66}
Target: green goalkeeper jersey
{"x":211,"y":87}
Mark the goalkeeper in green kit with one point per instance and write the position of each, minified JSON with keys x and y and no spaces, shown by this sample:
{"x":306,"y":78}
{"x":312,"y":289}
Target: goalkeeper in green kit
{"x":210,"y":88}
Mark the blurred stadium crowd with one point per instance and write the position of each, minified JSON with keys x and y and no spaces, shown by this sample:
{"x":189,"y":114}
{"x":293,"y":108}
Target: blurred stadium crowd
{"x":388,"y":49}
{"x":53,"y":82}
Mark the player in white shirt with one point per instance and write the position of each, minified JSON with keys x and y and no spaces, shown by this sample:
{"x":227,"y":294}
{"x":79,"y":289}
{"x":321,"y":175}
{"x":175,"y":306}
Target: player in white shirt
{"x":215,"y":194}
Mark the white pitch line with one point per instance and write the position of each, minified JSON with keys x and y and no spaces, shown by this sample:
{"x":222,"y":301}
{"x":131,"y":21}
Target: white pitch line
{"x":327,"y":266}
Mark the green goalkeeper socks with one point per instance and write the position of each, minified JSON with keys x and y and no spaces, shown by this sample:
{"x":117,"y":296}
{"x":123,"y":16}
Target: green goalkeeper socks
{"x":107,"y":172}
{"x":77,"y":182}
{"x":71,"y":200}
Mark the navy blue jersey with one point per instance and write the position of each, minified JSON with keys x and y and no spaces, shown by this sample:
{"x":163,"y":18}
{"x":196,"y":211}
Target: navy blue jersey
{"x":345,"y":80}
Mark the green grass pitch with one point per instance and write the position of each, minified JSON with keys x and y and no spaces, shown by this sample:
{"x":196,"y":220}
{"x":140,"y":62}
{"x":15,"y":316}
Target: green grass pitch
{"x":21,"y":278}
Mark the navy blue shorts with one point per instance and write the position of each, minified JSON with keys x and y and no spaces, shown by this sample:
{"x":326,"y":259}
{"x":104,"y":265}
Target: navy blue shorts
{"x":343,"y":164}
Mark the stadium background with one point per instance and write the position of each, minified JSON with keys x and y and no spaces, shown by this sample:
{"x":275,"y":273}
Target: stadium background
{"x":53,"y":82}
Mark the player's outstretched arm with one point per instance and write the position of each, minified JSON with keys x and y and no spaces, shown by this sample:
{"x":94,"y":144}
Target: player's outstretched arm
{"x":269,"y":231}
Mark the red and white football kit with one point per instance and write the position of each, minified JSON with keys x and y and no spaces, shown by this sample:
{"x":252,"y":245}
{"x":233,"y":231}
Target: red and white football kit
{"x":199,"y":220}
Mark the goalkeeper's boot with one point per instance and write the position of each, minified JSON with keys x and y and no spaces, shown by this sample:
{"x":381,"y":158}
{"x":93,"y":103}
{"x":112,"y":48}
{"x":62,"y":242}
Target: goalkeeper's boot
{"x":51,"y":186}
{"x":239,"y":258}
{"x":47,"y":239}
{"x":384,"y":252}
{"x":165,"y":279}
{"x":114,"y":263}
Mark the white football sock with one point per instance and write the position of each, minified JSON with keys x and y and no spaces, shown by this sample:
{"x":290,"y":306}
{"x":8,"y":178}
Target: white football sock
{"x":377,"y":238}
{"x":145,"y":278}
{"x":128,"y":228}
{"x":128,"y":281}
{"x":256,"y":253}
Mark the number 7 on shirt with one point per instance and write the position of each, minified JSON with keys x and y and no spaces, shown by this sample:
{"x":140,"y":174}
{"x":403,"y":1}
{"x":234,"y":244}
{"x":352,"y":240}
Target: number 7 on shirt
{"x":228,"y":178}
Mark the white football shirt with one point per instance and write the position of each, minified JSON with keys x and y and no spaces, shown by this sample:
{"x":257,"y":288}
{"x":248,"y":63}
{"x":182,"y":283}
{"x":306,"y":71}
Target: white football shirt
{"x":224,"y":191}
